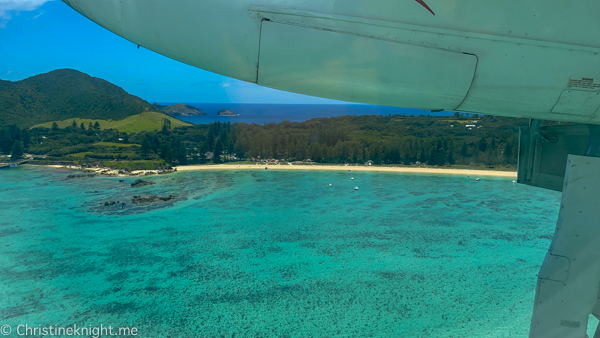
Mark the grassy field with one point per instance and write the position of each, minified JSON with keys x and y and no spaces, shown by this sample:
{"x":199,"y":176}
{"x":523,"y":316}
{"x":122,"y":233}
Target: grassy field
{"x":80,"y":155}
{"x":114,"y":144}
{"x":147,"y":121}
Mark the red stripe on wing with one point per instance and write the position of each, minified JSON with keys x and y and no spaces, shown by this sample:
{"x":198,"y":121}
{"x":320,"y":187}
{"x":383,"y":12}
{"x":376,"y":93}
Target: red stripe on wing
{"x":425,"y":5}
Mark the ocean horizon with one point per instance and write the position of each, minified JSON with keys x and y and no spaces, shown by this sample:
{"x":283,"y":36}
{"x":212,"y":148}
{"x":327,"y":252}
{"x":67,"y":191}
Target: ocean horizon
{"x":261,"y":113}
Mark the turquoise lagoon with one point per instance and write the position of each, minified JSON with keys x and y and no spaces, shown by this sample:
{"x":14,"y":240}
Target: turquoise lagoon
{"x":273,"y":254}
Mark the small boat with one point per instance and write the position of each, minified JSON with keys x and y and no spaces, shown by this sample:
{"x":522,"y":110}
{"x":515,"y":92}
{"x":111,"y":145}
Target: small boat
{"x":352,"y":178}
{"x":12,"y":165}
{"x":514,"y":182}
{"x":478,"y":179}
{"x":330,"y":184}
{"x":355,"y":188}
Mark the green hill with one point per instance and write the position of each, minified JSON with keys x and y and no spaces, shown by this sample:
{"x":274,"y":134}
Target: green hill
{"x":63,"y":94}
{"x":147,"y":121}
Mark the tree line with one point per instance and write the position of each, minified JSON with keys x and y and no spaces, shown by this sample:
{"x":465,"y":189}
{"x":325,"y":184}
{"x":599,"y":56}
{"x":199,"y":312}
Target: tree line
{"x":358,"y":139}
{"x":396,"y":139}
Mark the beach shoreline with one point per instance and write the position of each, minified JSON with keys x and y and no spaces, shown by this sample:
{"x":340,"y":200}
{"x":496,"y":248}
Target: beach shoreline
{"x":287,"y":167}
{"x":414,"y":170}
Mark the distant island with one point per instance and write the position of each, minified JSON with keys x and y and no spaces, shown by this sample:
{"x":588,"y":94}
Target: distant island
{"x":226,"y":112}
{"x":179,"y":109}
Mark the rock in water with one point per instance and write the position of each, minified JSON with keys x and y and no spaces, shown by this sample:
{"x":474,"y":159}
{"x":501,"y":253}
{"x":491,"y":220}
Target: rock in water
{"x":151,"y":199}
{"x":139,"y":183}
{"x":80,"y":176}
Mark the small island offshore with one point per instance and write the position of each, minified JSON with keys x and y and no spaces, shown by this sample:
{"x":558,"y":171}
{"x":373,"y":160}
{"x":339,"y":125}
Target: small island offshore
{"x":106,"y":130}
{"x":226,"y":112}
{"x":179,"y":109}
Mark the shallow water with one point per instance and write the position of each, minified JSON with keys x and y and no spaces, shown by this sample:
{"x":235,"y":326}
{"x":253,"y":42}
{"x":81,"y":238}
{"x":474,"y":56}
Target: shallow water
{"x":266,"y":253}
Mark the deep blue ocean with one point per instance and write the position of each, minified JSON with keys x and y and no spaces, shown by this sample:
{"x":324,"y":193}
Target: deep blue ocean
{"x":267,"y":253}
{"x":267,"y":113}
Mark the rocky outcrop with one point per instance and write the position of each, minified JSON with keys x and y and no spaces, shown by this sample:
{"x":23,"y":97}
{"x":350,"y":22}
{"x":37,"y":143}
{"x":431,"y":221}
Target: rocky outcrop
{"x":111,"y":203}
{"x":140,"y":183}
{"x":151,"y":199}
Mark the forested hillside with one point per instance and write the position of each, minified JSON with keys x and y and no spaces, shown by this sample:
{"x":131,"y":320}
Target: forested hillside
{"x":63,"y":94}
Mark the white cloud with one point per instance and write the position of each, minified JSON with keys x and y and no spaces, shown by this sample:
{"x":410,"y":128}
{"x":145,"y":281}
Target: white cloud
{"x":10,"y":7}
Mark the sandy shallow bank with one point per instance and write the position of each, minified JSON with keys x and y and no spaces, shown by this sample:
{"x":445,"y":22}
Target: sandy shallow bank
{"x":420,"y":170}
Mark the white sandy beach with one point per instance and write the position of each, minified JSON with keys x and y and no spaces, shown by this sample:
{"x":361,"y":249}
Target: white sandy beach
{"x":211,"y":167}
{"x":421,"y":170}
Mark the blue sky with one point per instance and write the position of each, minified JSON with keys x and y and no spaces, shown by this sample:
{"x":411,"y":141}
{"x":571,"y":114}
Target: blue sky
{"x":37,"y":36}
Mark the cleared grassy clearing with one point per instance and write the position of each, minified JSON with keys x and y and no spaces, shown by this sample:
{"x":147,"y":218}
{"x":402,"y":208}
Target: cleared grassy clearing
{"x":147,"y":121}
